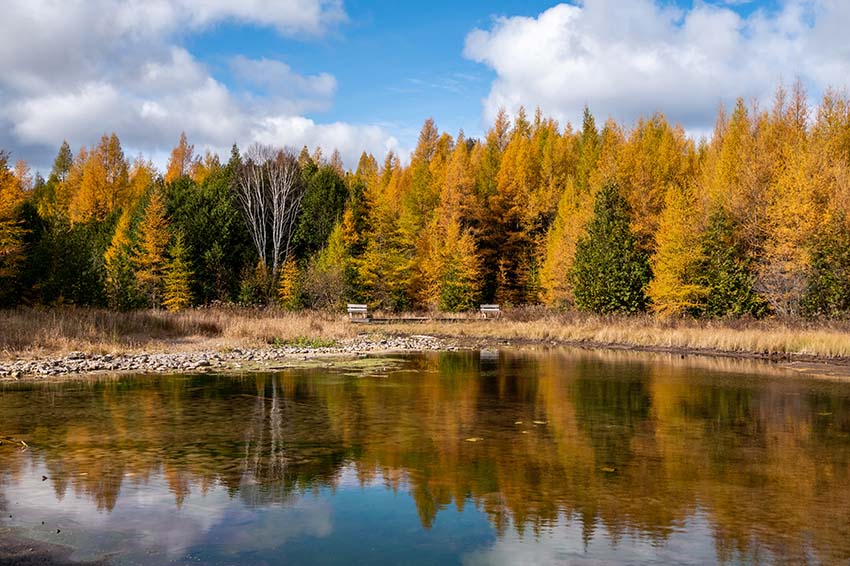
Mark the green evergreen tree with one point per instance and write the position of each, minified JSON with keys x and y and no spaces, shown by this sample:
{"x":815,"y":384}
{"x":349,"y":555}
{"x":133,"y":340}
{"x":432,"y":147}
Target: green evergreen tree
{"x":725,"y":272}
{"x":828,"y":289}
{"x":610,"y":273}
{"x":322,"y":207}
{"x":122,"y":290}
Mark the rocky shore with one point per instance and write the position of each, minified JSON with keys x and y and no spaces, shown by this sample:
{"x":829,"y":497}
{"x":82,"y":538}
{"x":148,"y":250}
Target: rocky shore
{"x":79,"y":363}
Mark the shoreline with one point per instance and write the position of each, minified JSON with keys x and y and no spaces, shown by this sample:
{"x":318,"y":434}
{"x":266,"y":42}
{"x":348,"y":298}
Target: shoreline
{"x":69,"y":341}
{"x":81,"y":365}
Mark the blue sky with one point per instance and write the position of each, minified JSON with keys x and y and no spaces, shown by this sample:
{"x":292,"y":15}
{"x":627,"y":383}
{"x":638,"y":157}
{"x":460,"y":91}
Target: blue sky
{"x":396,"y":63}
{"x":361,"y":74}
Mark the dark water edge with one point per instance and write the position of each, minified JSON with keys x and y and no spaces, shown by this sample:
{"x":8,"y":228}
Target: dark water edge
{"x":512,"y":456}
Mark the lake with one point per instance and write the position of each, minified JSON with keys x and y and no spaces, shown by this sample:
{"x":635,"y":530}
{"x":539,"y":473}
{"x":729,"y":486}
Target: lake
{"x":522,"y":456}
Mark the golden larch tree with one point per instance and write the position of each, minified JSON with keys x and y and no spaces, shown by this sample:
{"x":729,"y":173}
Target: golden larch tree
{"x":177,"y":281}
{"x":150,"y":259}
{"x":673,"y":290}
{"x":181,"y":160}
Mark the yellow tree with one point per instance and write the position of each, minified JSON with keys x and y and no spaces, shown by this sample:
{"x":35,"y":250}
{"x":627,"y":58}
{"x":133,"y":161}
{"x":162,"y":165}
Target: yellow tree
{"x":575,"y":208}
{"x":419,"y":196}
{"x":451,"y":266}
{"x":673,"y":290}
{"x":142,"y":176}
{"x":149,"y":258}
{"x":517,"y":180}
{"x":287,"y":288}
{"x":100,"y":180}
{"x":201,"y":169}
{"x":181,"y":160}
{"x":11,"y":232}
{"x":383,"y":269}
{"x":574,"y":211}
{"x":177,"y":290}
{"x":452,"y":270}
{"x":654,"y":156}
{"x":55,"y":198}
{"x":794,"y":209}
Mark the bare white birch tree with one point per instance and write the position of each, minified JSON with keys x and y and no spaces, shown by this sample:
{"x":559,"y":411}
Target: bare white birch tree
{"x":269,"y":191}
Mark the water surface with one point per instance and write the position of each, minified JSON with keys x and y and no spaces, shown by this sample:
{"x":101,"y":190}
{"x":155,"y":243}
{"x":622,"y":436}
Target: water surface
{"x":473,"y":457}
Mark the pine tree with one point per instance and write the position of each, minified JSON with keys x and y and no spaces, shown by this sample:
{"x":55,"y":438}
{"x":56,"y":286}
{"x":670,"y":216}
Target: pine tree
{"x":149,"y":259}
{"x":725,"y":271}
{"x":177,"y":293}
{"x":610,"y":273}
{"x":828,"y":289}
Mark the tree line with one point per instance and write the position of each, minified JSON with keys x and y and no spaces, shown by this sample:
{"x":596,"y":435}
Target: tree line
{"x":749,"y":222}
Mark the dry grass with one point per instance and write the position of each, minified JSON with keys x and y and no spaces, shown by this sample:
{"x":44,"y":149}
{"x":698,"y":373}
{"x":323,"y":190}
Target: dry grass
{"x":39,"y":333}
{"x":769,"y":337}
{"x":36,"y":333}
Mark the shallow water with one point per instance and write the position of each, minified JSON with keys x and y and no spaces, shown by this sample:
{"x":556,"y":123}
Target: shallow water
{"x":511,"y":457}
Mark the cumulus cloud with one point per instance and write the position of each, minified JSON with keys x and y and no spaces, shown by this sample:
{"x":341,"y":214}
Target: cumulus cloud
{"x":296,"y":132}
{"x":626,"y":59}
{"x":88,"y":66}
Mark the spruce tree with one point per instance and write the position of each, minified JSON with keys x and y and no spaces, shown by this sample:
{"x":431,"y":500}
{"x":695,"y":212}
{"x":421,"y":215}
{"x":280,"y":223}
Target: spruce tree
{"x":725,"y":272}
{"x":610,"y":273}
{"x":828,"y":289}
{"x":121,"y":287}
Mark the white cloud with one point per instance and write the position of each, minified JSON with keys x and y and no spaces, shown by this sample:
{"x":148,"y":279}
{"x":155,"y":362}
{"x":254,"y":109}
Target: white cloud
{"x":78,"y":68}
{"x":626,"y":59}
{"x":351,"y":140}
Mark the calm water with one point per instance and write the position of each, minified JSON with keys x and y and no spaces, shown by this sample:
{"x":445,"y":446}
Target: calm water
{"x":514,"y":457}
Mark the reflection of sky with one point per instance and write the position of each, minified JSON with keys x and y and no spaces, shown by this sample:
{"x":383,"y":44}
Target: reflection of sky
{"x":351,"y":523}
{"x":564,"y":543}
{"x":146,"y":527}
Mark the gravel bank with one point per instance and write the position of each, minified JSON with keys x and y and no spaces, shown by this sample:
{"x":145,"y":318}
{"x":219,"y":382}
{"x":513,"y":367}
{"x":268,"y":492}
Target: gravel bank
{"x":79,"y":363}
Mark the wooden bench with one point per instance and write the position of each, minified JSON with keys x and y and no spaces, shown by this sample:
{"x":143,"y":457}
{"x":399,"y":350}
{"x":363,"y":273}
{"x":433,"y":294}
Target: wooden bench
{"x":360,"y":312}
{"x":490,"y":311}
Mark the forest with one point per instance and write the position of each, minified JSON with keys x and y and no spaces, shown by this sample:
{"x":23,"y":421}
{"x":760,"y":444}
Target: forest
{"x":749,"y":222}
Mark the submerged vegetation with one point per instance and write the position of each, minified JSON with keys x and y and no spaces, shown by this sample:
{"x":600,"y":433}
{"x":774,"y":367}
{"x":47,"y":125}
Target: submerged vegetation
{"x":751,"y":222}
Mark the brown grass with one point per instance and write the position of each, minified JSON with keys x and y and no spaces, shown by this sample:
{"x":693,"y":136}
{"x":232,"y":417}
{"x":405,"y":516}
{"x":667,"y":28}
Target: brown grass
{"x":770,"y":337}
{"x":39,"y":333}
{"x":35,"y":333}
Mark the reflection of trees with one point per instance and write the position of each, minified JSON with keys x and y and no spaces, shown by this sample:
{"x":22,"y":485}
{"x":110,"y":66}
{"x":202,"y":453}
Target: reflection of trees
{"x":631,"y":446}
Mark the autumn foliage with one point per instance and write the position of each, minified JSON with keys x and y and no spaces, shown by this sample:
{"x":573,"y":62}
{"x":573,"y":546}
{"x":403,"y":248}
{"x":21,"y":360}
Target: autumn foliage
{"x":751,"y":221}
